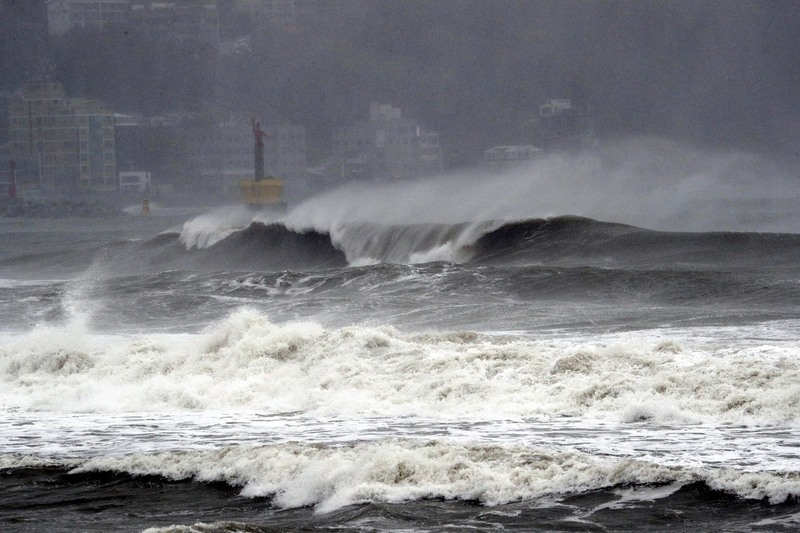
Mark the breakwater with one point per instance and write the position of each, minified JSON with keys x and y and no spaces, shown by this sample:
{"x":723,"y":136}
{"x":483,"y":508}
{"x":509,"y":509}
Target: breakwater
{"x":56,"y":208}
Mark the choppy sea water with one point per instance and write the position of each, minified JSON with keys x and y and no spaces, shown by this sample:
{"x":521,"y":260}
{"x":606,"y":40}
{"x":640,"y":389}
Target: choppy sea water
{"x":241,"y":373}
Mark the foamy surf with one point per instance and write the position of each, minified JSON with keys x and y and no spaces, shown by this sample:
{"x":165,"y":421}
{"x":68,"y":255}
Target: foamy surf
{"x":401,"y":470}
{"x":471,"y":372}
{"x":248,"y":362}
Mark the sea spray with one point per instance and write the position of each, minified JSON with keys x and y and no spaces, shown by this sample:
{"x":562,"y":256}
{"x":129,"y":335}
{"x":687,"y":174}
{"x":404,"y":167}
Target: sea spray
{"x":648,"y":182}
{"x":209,"y":228}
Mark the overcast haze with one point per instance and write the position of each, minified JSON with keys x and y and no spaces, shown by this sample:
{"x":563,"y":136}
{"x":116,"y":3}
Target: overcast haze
{"x":716,"y":73}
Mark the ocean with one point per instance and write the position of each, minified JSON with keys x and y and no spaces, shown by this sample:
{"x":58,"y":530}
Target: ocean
{"x":235,"y":371}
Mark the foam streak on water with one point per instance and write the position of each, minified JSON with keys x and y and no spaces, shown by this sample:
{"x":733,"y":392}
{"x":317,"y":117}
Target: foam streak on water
{"x":60,"y":437}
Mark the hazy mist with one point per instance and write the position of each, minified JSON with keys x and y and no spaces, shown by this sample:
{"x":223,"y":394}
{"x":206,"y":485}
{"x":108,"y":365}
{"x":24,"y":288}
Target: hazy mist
{"x":696,"y":104}
{"x":718,"y":73}
{"x":647,"y":182}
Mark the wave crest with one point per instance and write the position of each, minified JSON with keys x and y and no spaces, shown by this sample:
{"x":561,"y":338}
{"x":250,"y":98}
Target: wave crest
{"x":400,"y":470}
{"x":563,"y":240}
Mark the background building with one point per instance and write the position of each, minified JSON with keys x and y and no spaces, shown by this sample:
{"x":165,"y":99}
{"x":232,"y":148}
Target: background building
{"x":65,"y":15}
{"x":221,"y":154}
{"x":291,"y":14}
{"x":156,"y":145}
{"x":177,"y":20}
{"x":197,"y":155}
{"x":386,"y":146}
{"x":564,"y":124}
{"x":174,"y":20}
{"x":72,"y":140}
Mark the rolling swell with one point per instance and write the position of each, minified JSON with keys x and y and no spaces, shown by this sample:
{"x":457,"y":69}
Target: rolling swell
{"x":566,"y":241}
{"x":275,"y":246}
{"x":64,"y":260}
{"x":559,"y":241}
{"x":573,"y":241}
{"x":106,"y":501}
{"x":257,"y":247}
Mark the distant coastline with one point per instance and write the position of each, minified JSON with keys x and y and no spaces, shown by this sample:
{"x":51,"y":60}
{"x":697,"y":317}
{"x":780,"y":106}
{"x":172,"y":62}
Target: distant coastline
{"x":57,"y":208}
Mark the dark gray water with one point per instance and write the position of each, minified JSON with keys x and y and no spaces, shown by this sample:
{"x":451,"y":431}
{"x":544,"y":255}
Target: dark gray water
{"x":547,"y":374}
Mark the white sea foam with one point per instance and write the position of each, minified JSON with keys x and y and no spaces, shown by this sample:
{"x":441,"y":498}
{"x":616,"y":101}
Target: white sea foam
{"x":247,"y":362}
{"x":209,"y":228}
{"x":398,"y":470}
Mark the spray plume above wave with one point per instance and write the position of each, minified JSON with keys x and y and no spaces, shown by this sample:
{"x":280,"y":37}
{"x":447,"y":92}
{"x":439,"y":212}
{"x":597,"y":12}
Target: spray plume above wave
{"x":522,"y":212}
{"x":650,"y":183}
{"x":563,"y":209}
{"x":564,"y":241}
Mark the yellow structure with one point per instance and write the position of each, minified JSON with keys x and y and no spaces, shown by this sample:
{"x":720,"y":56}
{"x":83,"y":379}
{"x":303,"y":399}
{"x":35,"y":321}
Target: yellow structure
{"x":263,"y":192}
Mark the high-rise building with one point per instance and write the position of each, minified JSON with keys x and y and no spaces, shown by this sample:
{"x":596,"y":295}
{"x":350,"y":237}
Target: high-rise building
{"x":156,"y":145}
{"x":284,"y":13}
{"x":194,"y":21}
{"x":387,"y":145}
{"x":72,"y":140}
{"x":65,"y":15}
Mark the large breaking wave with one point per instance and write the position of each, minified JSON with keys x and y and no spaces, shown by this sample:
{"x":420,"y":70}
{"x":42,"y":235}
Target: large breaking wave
{"x":558,"y":241}
{"x":564,"y":240}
